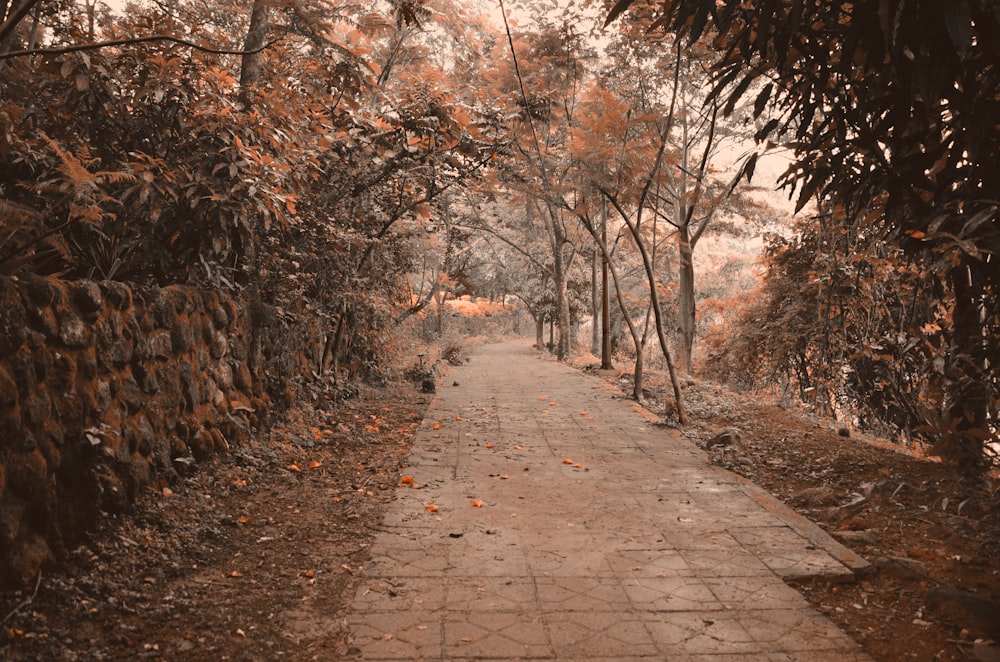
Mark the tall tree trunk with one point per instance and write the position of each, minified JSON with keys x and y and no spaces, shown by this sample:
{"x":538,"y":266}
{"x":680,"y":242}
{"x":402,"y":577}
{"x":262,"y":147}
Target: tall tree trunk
{"x":654,"y":299}
{"x":595,"y":304}
{"x":605,"y":294}
{"x":560,"y":277}
{"x":639,"y":342}
{"x":250,"y":68}
{"x":686,"y":303}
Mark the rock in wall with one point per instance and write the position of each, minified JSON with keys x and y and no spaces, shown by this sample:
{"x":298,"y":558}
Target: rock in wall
{"x":106,"y":391}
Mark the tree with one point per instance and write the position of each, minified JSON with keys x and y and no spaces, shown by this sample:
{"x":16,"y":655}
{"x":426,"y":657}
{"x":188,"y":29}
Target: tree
{"x":543,"y":82}
{"x":889,"y":108}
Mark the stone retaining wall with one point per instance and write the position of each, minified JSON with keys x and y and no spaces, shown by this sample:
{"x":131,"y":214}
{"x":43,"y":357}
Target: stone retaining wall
{"x":106,"y":391}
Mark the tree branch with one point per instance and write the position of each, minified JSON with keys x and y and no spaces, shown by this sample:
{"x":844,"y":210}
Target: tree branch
{"x":62,"y":50}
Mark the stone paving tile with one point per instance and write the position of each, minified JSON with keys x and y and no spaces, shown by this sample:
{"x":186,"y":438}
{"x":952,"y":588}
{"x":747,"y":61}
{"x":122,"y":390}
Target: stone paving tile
{"x":468,"y":594}
{"x":498,"y":634}
{"x":725,"y":563}
{"x":700,"y":632}
{"x":781,"y":549}
{"x":752,"y":593}
{"x":648,"y":563}
{"x":568,"y":594}
{"x":645,"y":551}
{"x":658,"y":594}
{"x":581,"y":635}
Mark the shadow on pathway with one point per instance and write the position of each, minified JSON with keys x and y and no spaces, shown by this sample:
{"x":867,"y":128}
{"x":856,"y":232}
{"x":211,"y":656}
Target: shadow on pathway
{"x":599,"y":537}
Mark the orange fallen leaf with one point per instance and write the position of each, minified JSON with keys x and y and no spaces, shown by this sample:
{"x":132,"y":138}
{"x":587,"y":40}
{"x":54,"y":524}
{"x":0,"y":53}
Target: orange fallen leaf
{"x":489,"y":445}
{"x":236,"y":573}
{"x":406,"y":480}
{"x":437,"y":436}
{"x":578,"y":466}
{"x":477,"y":503}
{"x":167,"y":492}
{"x":437,"y":426}
{"x":432,"y":507}
{"x":294,"y":467}
{"x":243,"y":519}
{"x":553,"y":404}
{"x":542,"y":397}
{"x":315,"y":464}
{"x":387,"y":636}
{"x":467,"y":640}
{"x":518,"y":447}
{"x":566,"y":460}
{"x":505,"y":477}
{"x":583,"y":413}
{"x":309,"y":573}
{"x":458,"y":418}
{"x":239,"y":482}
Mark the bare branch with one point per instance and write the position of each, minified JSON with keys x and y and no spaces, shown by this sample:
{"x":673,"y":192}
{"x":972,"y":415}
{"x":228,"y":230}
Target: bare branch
{"x":76,"y":48}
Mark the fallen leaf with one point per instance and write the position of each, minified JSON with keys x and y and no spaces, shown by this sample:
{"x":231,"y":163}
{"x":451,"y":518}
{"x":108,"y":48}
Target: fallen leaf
{"x":458,"y":418}
{"x":566,"y":460}
{"x":243,"y":519}
{"x":239,"y":482}
{"x":432,"y":507}
{"x":294,"y":467}
{"x":309,"y":573}
{"x":240,"y":632}
{"x":553,"y":404}
{"x":387,"y":636}
{"x":236,"y":573}
{"x":505,"y":477}
{"x":477,"y":503}
{"x":578,"y":466}
{"x":315,"y":464}
{"x":489,"y":445}
{"x":518,"y":447}
{"x":467,"y":640}
{"x":167,"y":492}
{"x":406,"y":480}
{"x":583,"y":413}
{"x":542,"y":398}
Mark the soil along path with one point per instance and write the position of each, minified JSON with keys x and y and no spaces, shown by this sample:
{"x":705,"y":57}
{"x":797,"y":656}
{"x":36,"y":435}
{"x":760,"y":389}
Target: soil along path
{"x":548,"y":518}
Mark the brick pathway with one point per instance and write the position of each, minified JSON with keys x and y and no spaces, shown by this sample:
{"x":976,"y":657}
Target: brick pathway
{"x":599,"y":537}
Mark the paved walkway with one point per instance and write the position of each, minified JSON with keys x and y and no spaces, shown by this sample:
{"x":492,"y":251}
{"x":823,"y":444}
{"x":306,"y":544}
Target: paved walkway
{"x":598,"y":536}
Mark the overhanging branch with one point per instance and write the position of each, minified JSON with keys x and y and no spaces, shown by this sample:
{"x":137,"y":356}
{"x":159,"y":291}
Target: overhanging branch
{"x":97,"y":45}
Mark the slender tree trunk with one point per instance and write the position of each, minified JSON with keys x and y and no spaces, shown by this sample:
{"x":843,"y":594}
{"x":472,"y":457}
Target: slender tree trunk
{"x":686,"y":303}
{"x":654,"y":299}
{"x":560,"y":276}
{"x":639,"y":342}
{"x":595,"y":304}
{"x":605,"y":295}
{"x":539,"y":331}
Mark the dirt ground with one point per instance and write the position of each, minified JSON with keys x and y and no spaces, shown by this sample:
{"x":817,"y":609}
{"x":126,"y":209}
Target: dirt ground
{"x":255,"y":556}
